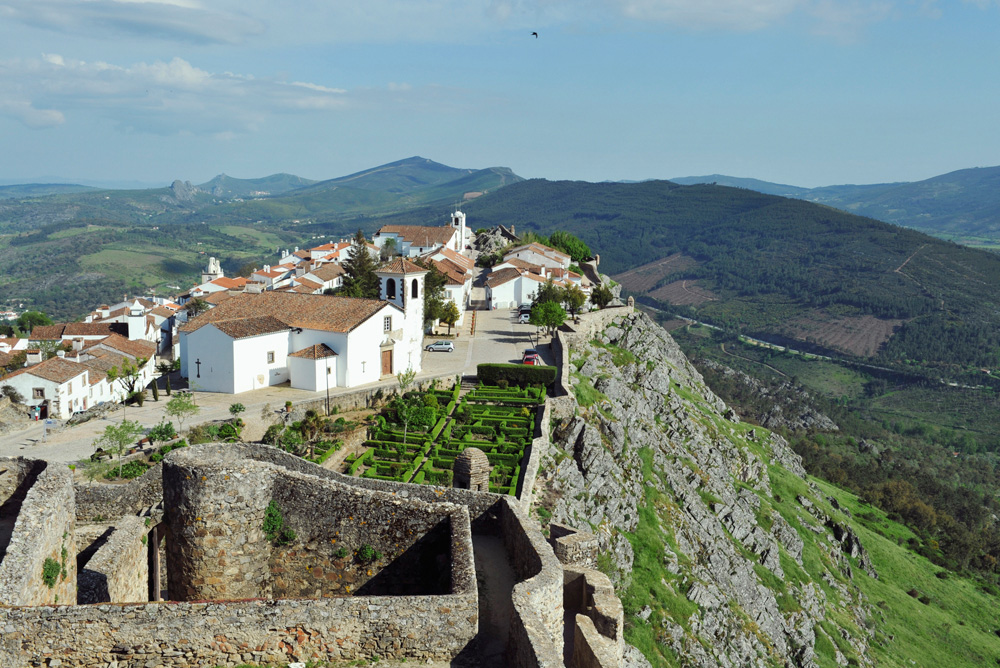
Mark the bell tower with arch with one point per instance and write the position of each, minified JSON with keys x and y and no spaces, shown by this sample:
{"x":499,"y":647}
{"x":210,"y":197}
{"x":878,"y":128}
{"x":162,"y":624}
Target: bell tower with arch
{"x":401,"y":282}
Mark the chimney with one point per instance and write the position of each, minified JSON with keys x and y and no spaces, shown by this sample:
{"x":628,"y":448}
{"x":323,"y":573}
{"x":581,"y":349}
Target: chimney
{"x":61,"y":354}
{"x":105,"y":311}
{"x":33,"y":357}
{"x":78,"y":344}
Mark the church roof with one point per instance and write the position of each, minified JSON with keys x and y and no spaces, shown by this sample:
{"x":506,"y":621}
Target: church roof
{"x":401,"y":265}
{"x":316,"y":352}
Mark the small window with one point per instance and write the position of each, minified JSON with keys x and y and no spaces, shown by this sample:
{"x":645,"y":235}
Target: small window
{"x":270,"y":357}
{"x":38,"y":393}
{"x":387,"y":323}
{"x":415,"y":292}
{"x":69,"y":387}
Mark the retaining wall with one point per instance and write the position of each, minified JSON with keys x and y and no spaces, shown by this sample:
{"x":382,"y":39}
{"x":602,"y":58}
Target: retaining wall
{"x":119,"y":571}
{"x":599,"y":639}
{"x":109,"y":501}
{"x":43,"y":530}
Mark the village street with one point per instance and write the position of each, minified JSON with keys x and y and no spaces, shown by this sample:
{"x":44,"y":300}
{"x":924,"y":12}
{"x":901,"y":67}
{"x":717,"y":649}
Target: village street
{"x":497,"y":339}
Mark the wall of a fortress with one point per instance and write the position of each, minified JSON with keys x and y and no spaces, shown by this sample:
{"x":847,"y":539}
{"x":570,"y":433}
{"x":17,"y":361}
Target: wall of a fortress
{"x":236,"y":632}
{"x":43,"y":530}
{"x":110,"y":501}
{"x":119,"y":570}
{"x":536,"y":625}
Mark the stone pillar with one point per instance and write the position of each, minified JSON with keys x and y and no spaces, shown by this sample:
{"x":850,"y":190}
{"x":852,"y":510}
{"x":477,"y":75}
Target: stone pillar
{"x":214,"y":504}
{"x":472,"y":470}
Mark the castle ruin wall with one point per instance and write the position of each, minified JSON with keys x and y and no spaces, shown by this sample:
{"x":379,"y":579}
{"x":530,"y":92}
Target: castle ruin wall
{"x":110,"y":501}
{"x":119,"y":571}
{"x":43,"y":530}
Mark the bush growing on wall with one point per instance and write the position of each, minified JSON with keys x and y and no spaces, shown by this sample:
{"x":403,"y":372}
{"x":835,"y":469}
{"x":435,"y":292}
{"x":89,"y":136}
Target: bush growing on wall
{"x":516,"y":374}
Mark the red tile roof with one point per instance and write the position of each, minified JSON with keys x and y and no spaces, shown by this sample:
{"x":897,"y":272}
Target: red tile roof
{"x":401,"y":265}
{"x":217,"y":298}
{"x":229,"y":283}
{"x":505,"y":275}
{"x":56,"y":370}
{"x":419,"y":235}
{"x":328,"y":271}
{"x":245,"y":328}
{"x":120,"y":344}
{"x":319,"y":312}
{"x":465,"y":262}
{"x":317,"y":352}
{"x":68,"y":329}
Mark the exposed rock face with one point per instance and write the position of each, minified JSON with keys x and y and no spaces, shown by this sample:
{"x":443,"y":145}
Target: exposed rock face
{"x":655,"y":467}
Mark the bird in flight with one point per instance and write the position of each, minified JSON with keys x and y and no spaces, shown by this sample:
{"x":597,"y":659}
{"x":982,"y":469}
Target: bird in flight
{"x":535,"y":34}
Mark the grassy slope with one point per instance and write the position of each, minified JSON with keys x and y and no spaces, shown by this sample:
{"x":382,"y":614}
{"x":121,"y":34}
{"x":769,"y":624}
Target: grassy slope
{"x":955,"y":627}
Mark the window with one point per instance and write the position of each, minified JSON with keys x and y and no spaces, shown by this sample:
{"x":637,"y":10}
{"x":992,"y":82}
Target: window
{"x":69,"y":387}
{"x":415,"y":290}
{"x":38,"y":393}
{"x":270,"y":357}
{"x":387,"y":323}
{"x":390,"y":289}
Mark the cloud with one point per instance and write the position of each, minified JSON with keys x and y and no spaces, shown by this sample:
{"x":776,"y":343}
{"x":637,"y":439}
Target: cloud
{"x":171,"y":97}
{"x":176,"y":20}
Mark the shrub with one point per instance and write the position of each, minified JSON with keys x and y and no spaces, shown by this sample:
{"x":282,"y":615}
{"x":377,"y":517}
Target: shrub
{"x":50,"y":572}
{"x":162,"y":432}
{"x":341,"y":552}
{"x":12,"y":394}
{"x":132,"y":469}
{"x":272,"y":434}
{"x":516,"y":374}
{"x":274,"y":525}
{"x":367,"y":554}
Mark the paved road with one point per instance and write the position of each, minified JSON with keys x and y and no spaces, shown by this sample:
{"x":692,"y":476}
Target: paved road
{"x":498,"y":338}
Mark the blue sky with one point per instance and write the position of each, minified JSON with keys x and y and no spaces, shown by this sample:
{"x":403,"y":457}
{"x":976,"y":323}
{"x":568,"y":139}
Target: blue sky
{"x":805,"y":92}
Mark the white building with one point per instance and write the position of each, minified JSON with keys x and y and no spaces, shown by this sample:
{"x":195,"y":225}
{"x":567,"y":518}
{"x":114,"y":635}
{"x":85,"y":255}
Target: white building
{"x":257,"y":340}
{"x":59,"y":387}
{"x":417,"y":240}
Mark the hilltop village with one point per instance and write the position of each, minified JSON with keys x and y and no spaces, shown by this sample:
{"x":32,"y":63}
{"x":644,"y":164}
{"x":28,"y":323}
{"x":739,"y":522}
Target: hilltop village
{"x":404,"y":524}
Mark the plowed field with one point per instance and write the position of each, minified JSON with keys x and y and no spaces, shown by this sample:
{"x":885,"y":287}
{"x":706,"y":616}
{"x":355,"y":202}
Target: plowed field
{"x":857,"y":335}
{"x":645,"y":278}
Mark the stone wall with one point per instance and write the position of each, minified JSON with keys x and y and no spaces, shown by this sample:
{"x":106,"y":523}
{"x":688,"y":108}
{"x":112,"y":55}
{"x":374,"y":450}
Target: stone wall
{"x":536,"y":625}
{"x":572,"y":546}
{"x":599,"y":633}
{"x":538,"y":448}
{"x":370,"y":398}
{"x":179,"y":635}
{"x":43,"y":530}
{"x":110,"y":501}
{"x":119,"y":571}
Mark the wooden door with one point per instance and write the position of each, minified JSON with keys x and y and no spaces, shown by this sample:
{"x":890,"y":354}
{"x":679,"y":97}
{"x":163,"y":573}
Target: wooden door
{"x":386,"y":362}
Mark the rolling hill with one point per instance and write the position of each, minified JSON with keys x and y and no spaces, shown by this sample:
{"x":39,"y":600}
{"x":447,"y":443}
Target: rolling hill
{"x":774,"y":267}
{"x":963,"y":206}
{"x":227,"y":186}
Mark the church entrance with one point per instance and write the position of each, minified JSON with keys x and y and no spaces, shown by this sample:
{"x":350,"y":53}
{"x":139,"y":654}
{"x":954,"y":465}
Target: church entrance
{"x":387,"y":362}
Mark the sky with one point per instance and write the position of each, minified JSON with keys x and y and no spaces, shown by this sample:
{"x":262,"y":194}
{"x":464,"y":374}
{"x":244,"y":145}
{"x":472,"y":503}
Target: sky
{"x":803,"y":92}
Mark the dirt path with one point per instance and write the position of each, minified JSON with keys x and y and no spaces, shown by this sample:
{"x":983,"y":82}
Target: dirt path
{"x":747,"y":359}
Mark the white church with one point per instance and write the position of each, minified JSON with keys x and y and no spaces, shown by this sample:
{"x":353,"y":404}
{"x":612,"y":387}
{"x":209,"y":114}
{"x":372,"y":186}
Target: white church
{"x":312,"y":341}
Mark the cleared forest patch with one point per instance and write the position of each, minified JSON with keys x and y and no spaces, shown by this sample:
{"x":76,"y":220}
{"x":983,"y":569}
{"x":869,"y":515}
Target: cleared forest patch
{"x":645,"y":278}
{"x":683,"y":293}
{"x":858,"y":335}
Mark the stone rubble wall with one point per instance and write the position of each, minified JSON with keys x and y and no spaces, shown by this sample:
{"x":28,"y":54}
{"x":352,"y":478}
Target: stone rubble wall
{"x":601,"y":621}
{"x":574,"y":547}
{"x":43,"y":530}
{"x":370,"y":398}
{"x":538,"y":448}
{"x":110,"y":501}
{"x":536,"y":624}
{"x":119,"y":571}
{"x":14,"y":472}
{"x":180,"y":635}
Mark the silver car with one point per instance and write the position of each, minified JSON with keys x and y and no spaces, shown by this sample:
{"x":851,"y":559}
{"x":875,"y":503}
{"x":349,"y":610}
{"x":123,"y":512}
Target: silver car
{"x":441,"y":346}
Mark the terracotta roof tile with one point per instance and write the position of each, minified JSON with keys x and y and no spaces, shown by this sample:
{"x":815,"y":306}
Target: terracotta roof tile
{"x":56,"y":370}
{"x":312,"y":285}
{"x":419,"y":235}
{"x":317,"y":352}
{"x":401,"y":265}
{"x":247,"y":327}
{"x":134,"y":349}
{"x":47,"y":333}
{"x":229,"y":283}
{"x":328,"y":271}
{"x":217,"y":298}
{"x":505,"y":275}
{"x":320,"y":312}
{"x":459,"y":259}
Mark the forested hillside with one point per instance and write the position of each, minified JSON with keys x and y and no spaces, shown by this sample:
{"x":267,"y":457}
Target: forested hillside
{"x":772,"y":266}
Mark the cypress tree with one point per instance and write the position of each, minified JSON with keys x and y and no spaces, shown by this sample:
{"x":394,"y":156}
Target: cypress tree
{"x":360,"y":279}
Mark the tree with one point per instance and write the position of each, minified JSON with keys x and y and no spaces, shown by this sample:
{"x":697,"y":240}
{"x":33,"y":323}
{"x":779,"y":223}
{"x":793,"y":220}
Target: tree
{"x":196,"y":306}
{"x":434,"y":283}
{"x":601,"y":295}
{"x":94,"y":469}
{"x":548,"y":292}
{"x":236,"y":409}
{"x":164,"y":369}
{"x":569,"y":244}
{"x":547,"y":314}
{"x":360,"y":279}
{"x":450,"y":314}
{"x":405,"y":410}
{"x":181,"y":407}
{"x":573,"y":298}
{"x":388,"y":249}
{"x":117,"y":438}
{"x":28,"y":320}
{"x":128,"y":377}
{"x":162,"y":432}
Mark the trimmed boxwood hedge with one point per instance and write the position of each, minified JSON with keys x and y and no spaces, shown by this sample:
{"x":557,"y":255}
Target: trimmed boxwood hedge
{"x":521,"y":375}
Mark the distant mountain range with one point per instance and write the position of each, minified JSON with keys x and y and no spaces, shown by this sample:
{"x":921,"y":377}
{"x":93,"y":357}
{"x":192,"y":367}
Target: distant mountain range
{"x":963,"y":205}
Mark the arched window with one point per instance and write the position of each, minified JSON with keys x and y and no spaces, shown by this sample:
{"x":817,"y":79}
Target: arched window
{"x":415,"y":290}
{"x":390,"y":288}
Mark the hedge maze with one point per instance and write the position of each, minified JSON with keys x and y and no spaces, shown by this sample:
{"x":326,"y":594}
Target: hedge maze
{"x":498,"y":420}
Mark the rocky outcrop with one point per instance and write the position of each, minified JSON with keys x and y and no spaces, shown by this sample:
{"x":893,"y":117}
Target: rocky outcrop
{"x":655,"y":464}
